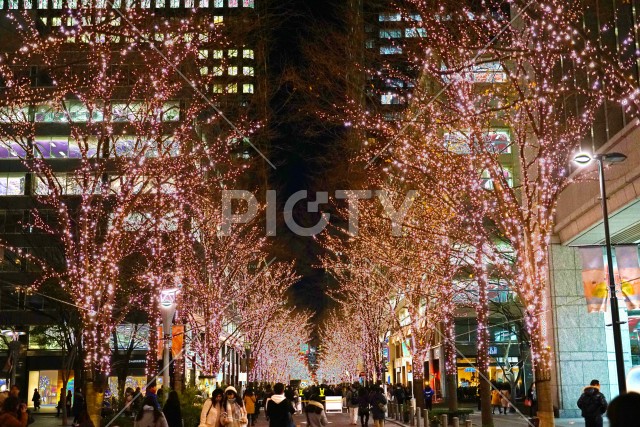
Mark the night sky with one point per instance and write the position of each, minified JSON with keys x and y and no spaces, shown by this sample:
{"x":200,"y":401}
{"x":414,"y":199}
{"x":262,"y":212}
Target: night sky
{"x":299,"y":150}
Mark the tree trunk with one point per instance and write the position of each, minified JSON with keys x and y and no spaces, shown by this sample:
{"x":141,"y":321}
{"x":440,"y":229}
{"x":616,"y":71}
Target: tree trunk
{"x":418,"y":387}
{"x":452,"y":392}
{"x":94,"y":397}
{"x":485,"y":400}
{"x":545,"y":400}
{"x":63,"y":400}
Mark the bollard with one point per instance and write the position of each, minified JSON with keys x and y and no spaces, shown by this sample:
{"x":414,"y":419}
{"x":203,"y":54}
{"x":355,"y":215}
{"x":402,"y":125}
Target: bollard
{"x":444,"y":420}
{"x":425,"y":417}
{"x":455,"y":421}
{"x":467,"y":423}
{"x":418,"y":422}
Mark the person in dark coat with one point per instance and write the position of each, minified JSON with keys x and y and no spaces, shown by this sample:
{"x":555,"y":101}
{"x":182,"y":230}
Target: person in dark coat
{"x":172,"y":411}
{"x":623,"y":410}
{"x":36,"y":399}
{"x":378,"y":404}
{"x":78,"y":406}
{"x":428,"y":397}
{"x":278,"y":408}
{"x":593,"y":404}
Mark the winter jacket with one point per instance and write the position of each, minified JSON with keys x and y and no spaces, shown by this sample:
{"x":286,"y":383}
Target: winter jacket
{"x":148,"y":419}
{"x":236,"y":416}
{"x":250,"y":404}
{"x":592,"y":403}
{"x":316,"y":420}
{"x":9,"y":420}
{"x":378,"y":402}
{"x":210,"y":414}
{"x":279,"y":410}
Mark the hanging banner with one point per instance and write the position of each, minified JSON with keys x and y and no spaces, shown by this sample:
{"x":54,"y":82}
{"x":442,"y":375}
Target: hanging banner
{"x":594,"y":279}
{"x":629,"y":272}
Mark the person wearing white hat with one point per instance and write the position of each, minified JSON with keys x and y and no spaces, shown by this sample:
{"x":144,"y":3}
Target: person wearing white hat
{"x":235,"y":414}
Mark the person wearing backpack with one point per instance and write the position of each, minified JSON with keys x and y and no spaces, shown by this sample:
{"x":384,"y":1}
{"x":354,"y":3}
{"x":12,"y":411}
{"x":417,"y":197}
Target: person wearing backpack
{"x":353,"y":402}
{"x":593,"y":404}
{"x":212,"y":409}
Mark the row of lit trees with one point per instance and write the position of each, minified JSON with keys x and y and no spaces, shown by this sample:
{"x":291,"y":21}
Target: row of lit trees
{"x":136,"y":207}
{"x":530,"y":70}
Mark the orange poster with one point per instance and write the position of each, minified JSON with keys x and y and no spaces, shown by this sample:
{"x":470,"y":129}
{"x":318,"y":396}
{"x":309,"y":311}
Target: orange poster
{"x":594,"y":279}
{"x":629,"y":272}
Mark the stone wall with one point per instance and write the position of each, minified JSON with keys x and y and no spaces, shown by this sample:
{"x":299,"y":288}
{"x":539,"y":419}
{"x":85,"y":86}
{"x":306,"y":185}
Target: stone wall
{"x":583,"y":343}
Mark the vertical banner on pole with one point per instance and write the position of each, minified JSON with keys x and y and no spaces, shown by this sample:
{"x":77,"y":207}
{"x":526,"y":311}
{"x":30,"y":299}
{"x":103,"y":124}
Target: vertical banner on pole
{"x":594,"y":279}
{"x":629,"y":272}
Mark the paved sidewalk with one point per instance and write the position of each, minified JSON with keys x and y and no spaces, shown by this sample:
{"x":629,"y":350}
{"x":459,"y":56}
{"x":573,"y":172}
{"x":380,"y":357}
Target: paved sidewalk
{"x":514,"y":420}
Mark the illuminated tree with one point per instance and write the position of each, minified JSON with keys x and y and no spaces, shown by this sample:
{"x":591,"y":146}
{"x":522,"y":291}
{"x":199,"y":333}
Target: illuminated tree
{"x":114,"y":79}
{"x":487,"y":129}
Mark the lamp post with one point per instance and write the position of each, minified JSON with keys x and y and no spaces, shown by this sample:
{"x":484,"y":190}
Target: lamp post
{"x":583,"y":159}
{"x":168,"y":310}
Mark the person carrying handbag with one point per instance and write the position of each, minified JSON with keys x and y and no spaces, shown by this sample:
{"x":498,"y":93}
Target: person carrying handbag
{"x":234,"y":415}
{"x":212,"y":409}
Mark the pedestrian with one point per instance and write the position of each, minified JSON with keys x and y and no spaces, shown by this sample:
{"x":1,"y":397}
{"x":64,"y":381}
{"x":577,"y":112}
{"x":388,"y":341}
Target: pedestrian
{"x":84,"y":420}
{"x":363,"y":408}
{"x":59,"y":406}
{"x":36,"y":400}
{"x":496,"y":401}
{"x":172,"y":411}
{"x":352,"y":404}
{"x":250,"y":403}
{"x":316,"y":416}
{"x":505,"y":400}
{"x":532,"y":397}
{"x":14,"y":413}
{"x":128,"y":402}
{"x":150,"y":416}
{"x":399,"y":394}
{"x":78,"y":406}
{"x":151,"y":392}
{"x":211,"y":410}
{"x":234,"y":413}
{"x":378,"y":404}
{"x":428,"y":397}
{"x":593,"y":404}
{"x":623,"y":411}
{"x":278,"y":409}
{"x":68,"y":403}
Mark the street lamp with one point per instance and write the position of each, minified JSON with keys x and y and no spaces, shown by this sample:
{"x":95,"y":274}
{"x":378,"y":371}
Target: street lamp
{"x":583,"y":159}
{"x":168,"y":310}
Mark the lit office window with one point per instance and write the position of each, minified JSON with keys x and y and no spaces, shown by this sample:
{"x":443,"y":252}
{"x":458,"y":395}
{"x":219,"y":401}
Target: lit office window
{"x":217,"y":3}
{"x":389,"y":17}
{"x":217,"y":54}
{"x":247,"y":53}
{"x":217,"y":71}
{"x":247,"y":88}
{"x":232,"y":71}
{"x":204,"y":71}
{"x":247,"y":71}
{"x":218,"y":88}
{"x":218,"y":19}
{"x":204,"y":3}
{"x":390,"y":34}
{"x":390,"y":50}
{"x":233,"y":53}
{"x":42,"y":4}
{"x":247,"y":3}
{"x":174,"y":4}
{"x":203,"y":54}
{"x":232,"y":88}
{"x":28,"y":4}
{"x":415,"y":32}
{"x":11,"y":184}
{"x":56,"y":21}
{"x":391,"y":98}
{"x":233,"y":3}
{"x":488,"y":181}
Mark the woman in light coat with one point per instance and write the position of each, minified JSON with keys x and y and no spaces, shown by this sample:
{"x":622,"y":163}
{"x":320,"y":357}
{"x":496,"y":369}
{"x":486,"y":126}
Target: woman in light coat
{"x":211,"y":410}
{"x":150,"y":416}
{"x":234,"y":415}
{"x":316,"y":417}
